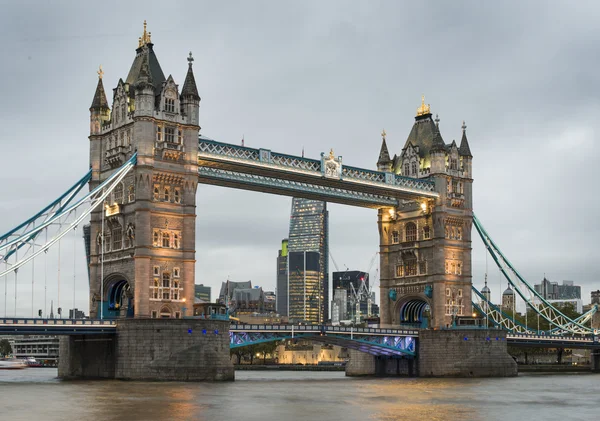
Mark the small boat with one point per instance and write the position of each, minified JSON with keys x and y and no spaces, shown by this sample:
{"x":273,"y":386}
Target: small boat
{"x":32,"y":362}
{"x":12,"y":364}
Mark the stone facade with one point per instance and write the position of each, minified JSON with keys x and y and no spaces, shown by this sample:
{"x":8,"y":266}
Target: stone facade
{"x":425,"y":247}
{"x":147,"y":349}
{"x":464,"y":353}
{"x":147,"y":265}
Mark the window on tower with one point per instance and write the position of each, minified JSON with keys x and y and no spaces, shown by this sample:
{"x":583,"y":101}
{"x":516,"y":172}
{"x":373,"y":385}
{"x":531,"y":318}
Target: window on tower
{"x":118,"y":194}
{"x":131,"y":193}
{"x":169,"y":105}
{"x":117,"y":236}
{"x":414,"y":168}
{"x":426,"y":232}
{"x":158,"y":134}
{"x":395,"y":237}
{"x":166,"y":240}
{"x":156,"y":195}
{"x":411,"y":232}
{"x":177,"y":195}
{"x":166,"y":286}
{"x":170,"y":134}
{"x":167,"y":194}
{"x":406,"y":169}
{"x":179,"y":136}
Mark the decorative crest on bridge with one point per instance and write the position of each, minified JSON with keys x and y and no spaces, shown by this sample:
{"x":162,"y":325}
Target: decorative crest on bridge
{"x":332,"y":168}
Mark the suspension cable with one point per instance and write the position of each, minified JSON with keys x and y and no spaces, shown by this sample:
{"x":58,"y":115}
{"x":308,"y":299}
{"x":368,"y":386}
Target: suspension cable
{"x":46,"y":277}
{"x":58,"y":275}
{"x":74,"y":266}
{"x":32,"y":276}
{"x":16,"y":278}
{"x":5,"y":287}
{"x":102,"y":267}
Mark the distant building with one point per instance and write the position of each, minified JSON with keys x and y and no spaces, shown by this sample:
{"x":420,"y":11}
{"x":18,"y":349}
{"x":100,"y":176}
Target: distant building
{"x":76,"y":314}
{"x":202,"y":292}
{"x":282,"y":279}
{"x":595,"y":297}
{"x":339,"y":306}
{"x":553,"y":291}
{"x":308,"y":274}
{"x":305,"y":292}
{"x":240,"y":297}
{"x":353,"y":279}
{"x":41,"y":347}
{"x":205,"y":309}
{"x":508,"y":299}
{"x":270,"y":301}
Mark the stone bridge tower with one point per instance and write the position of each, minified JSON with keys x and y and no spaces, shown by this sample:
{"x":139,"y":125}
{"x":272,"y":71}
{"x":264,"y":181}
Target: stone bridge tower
{"x":143,"y":263}
{"x":426,"y":246}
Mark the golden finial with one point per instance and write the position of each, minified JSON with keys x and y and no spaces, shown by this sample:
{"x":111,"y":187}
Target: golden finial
{"x":145,"y":38}
{"x":331,"y":155}
{"x":423,"y":109}
{"x":100,"y":72}
{"x":383,"y":134}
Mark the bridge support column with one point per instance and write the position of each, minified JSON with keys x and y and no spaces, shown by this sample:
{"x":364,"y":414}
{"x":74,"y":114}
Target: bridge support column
{"x":363,"y":364}
{"x":464,"y":353}
{"x":595,"y":360}
{"x":87,"y":357}
{"x":151,"y":349}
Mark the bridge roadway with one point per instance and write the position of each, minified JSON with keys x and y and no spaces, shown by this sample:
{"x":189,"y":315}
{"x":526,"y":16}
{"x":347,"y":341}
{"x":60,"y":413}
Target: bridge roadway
{"x":376,"y":341}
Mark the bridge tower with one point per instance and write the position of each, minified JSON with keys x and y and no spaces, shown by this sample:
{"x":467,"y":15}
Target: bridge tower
{"x":425,"y":246}
{"x":147,"y":226}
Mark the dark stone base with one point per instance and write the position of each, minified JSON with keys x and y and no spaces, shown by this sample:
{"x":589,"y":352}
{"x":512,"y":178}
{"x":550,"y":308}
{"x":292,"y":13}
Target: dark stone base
{"x":595,"y":361}
{"x":151,"y":349}
{"x":464,"y":353}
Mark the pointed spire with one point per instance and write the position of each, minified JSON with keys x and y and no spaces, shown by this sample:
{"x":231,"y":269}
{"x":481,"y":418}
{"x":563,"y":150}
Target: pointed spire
{"x":384,"y":154}
{"x":144,"y":79}
{"x":464,"y":149}
{"x":99,"y":102}
{"x":438,"y":143}
{"x":189,"y":86}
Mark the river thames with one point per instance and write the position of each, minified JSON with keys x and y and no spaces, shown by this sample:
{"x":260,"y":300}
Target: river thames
{"x":36,"y":394}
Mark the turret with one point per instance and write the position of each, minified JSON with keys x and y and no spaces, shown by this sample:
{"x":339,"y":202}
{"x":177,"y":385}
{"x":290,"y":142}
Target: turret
{"x":438,"y":153}
{"x":99,"y":111}
{"x":384,"y":163}
{"x":465,"y":153}
{"x":190,"y":100}
{"x":144,"y":88}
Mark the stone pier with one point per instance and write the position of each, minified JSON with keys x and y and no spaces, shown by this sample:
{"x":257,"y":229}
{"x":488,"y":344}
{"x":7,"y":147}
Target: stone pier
{"x":151,"y":349}
{"x":595,"y":360}
{"x":443,"y":353}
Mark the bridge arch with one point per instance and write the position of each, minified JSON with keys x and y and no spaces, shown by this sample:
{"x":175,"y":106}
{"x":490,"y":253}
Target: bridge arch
{"x":118,"y":297}
{"x":410,"y":310}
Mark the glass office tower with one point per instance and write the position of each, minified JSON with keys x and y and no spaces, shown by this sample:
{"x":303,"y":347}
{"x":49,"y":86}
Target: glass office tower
{"x":308,"y":261}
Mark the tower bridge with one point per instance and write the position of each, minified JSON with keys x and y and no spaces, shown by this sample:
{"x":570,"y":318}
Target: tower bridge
{"x":147,"y":157}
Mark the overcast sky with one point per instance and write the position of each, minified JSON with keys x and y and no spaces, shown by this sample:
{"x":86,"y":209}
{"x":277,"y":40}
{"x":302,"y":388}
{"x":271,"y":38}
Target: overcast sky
{"x":319,"y":75}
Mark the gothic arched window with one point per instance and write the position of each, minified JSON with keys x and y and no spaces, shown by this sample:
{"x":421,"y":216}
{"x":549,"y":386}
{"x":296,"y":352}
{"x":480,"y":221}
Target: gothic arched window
{"x":167,"y":194}
{"x":414,"y":168}
{"x":166,"y":240}
{"x":406,"y":169}
{"x":411,"y":232}
{"x":156,"y":239}
{"x":117,"y":237}
{"x":175,"y":241}
{"x":118,"y":194}
{"x":131,"y":193}
{"x":426,"y":232}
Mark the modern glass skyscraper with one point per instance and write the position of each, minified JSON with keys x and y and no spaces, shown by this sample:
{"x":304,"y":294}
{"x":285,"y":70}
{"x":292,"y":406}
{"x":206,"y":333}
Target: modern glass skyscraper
{"x":308,"y":261}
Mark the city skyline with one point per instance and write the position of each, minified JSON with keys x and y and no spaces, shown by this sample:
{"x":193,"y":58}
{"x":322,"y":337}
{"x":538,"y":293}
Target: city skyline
{"x":528,"y":122}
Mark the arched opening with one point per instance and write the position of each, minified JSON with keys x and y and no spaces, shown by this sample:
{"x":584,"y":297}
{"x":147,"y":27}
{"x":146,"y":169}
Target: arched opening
{"x":165,"y":313}
{"x":412,"y":312}
{"x":119,"y":299}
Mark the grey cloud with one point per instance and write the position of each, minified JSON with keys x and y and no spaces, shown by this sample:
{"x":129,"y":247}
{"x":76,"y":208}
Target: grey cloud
{"x":322,"y":75}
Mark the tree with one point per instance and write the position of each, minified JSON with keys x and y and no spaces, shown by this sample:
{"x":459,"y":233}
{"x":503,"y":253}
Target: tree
{"x":267,"y":348}
{"x":5,"y":348}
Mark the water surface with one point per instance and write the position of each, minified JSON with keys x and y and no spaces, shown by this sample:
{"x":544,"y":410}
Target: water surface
{"x":36,"y":394}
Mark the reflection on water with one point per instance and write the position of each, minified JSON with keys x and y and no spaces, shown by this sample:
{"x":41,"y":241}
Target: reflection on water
{"x":36,"y":394}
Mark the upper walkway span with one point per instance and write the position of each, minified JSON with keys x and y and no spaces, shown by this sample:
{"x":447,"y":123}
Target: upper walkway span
{"x":326,"y":179}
